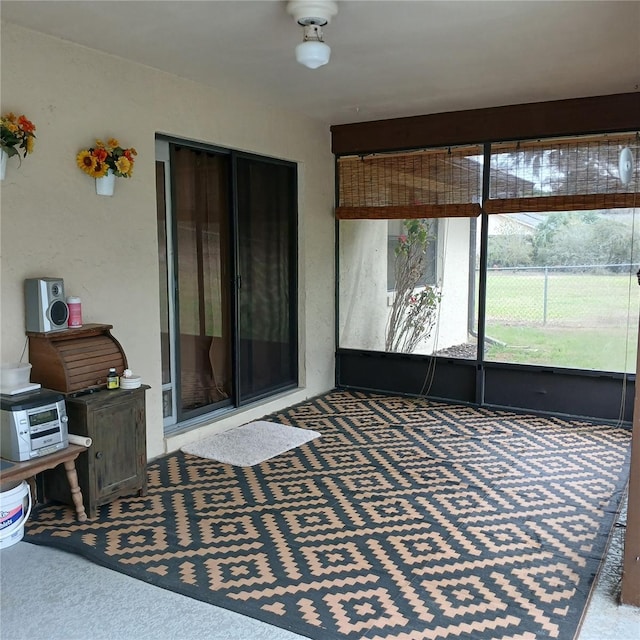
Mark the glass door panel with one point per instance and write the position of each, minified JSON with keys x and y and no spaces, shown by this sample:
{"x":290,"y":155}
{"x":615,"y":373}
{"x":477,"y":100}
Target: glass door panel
{"x":166,"y":301}
{"x":201,"y":200}
{"x":267,"y":267}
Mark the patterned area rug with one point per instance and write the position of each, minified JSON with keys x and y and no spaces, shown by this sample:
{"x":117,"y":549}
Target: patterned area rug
{"x":408,"y":519}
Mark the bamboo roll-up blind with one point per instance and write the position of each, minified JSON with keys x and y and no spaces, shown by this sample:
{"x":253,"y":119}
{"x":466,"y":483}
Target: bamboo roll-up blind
{"x":432,"y":183}
{"x":560,"y":175}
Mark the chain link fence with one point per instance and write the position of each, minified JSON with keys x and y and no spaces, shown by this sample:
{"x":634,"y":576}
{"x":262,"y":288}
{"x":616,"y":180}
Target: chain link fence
{"x":581,"y":296}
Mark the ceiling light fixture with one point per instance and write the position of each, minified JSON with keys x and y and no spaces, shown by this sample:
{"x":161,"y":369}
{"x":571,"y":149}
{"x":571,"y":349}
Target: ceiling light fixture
{"x":312,"y":52}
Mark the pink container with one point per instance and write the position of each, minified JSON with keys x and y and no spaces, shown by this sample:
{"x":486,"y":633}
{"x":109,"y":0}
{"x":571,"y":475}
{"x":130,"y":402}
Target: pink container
{"x":75,"y":312}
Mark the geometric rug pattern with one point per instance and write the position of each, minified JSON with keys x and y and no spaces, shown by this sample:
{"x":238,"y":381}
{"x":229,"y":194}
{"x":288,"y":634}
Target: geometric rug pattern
{"x":408,"y":519}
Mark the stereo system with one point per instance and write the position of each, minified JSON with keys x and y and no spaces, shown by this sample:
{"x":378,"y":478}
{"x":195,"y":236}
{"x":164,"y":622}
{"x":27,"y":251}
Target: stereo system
{"x":32,"y":425}
{"x":46,"y":309}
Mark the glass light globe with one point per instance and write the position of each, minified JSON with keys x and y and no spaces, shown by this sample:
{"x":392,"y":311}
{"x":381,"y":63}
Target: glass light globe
{"x":313,"y":54}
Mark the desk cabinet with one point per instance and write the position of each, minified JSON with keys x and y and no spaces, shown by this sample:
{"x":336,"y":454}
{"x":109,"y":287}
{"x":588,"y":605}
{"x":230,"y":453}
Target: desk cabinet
{"x":116,"y":463}
{"x":75,"y":359}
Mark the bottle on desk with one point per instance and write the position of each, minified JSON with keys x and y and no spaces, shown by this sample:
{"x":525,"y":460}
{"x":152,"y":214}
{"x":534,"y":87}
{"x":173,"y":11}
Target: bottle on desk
{"x":113,"y":381}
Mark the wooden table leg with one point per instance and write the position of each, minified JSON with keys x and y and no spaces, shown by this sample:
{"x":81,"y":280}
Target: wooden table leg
{"x":76,"y":492}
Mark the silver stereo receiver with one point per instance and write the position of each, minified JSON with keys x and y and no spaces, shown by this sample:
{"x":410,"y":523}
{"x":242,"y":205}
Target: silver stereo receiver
{"x":32,"y":424}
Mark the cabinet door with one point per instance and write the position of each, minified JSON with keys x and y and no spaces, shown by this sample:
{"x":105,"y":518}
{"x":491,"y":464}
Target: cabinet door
{"x":115,"y":448}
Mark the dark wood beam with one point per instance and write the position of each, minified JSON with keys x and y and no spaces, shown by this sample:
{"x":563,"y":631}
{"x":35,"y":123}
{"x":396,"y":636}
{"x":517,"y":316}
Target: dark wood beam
{"x":599,"y":114}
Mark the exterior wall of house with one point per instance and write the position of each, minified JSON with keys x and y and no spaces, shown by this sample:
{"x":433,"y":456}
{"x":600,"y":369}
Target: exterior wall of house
{"x":365,"y":303}
{"x":503,"y":225}
{"x":454,"y":314}
{"x":106,"y":249}
{"x":362,"y":284}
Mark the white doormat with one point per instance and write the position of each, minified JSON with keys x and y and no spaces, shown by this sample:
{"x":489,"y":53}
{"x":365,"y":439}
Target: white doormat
{"x":250,"y":443}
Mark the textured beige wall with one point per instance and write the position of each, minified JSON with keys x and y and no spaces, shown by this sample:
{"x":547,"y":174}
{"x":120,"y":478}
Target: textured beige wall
{"x":53,"y":223}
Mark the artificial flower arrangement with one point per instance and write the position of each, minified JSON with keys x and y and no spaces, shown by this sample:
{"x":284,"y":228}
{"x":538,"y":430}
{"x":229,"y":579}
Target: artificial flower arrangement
{"x":97,"y":161}
{"x":16,"y":132}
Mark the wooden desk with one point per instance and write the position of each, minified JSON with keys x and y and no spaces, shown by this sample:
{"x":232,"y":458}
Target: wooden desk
{"x":29,"y":468}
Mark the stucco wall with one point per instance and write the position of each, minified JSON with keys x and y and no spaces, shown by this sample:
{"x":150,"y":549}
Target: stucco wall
{"x":105,"y":249}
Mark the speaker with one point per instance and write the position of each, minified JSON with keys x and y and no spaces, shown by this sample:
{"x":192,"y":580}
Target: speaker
{"x":46,"y":309}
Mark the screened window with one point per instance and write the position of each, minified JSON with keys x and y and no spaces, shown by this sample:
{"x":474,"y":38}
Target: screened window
{"x":561,"y":254}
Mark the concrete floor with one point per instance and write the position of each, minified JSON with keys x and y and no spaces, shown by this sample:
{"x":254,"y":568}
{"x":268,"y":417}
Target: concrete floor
{"x":47,"y":594}
{"x":605,"y":618}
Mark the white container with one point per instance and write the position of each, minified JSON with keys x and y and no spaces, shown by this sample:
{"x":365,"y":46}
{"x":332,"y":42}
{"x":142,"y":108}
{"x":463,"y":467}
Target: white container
{"x":75,"y":311}
{"x":132,"y":382}
{"x":4,"y":156}
{"x":14,"y":374}
{"x":106,"y":185}
{"x":15,"y":509}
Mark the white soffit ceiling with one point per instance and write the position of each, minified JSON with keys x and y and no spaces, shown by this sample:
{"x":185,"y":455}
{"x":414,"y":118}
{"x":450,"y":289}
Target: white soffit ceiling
{"x":389,"y":58}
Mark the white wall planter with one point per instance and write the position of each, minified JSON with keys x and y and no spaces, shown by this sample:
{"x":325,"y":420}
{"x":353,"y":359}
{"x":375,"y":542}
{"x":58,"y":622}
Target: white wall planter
{"x":105,"y":186}
{"x":4,"y":156}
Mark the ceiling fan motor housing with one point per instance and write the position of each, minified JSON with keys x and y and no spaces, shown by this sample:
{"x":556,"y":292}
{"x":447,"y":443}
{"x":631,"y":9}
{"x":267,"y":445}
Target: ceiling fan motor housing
{"x":312,"y":12}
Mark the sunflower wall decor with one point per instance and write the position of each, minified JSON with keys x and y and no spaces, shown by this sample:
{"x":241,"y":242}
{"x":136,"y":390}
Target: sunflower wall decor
{"x":17,"y":133}
{"x":105,"y":162}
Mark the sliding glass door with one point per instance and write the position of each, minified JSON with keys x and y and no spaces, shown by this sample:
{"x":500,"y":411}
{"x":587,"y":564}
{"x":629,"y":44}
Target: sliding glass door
{"x":227,"y":240}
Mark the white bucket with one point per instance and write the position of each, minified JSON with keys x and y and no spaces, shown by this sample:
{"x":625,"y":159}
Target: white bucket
{"x":15,"y":508}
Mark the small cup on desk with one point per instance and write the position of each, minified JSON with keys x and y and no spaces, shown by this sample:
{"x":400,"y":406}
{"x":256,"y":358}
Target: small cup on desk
{"x":132,"y":382}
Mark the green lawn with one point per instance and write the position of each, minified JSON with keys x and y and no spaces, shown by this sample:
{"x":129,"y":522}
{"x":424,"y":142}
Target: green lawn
{"x":589,"y":321}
